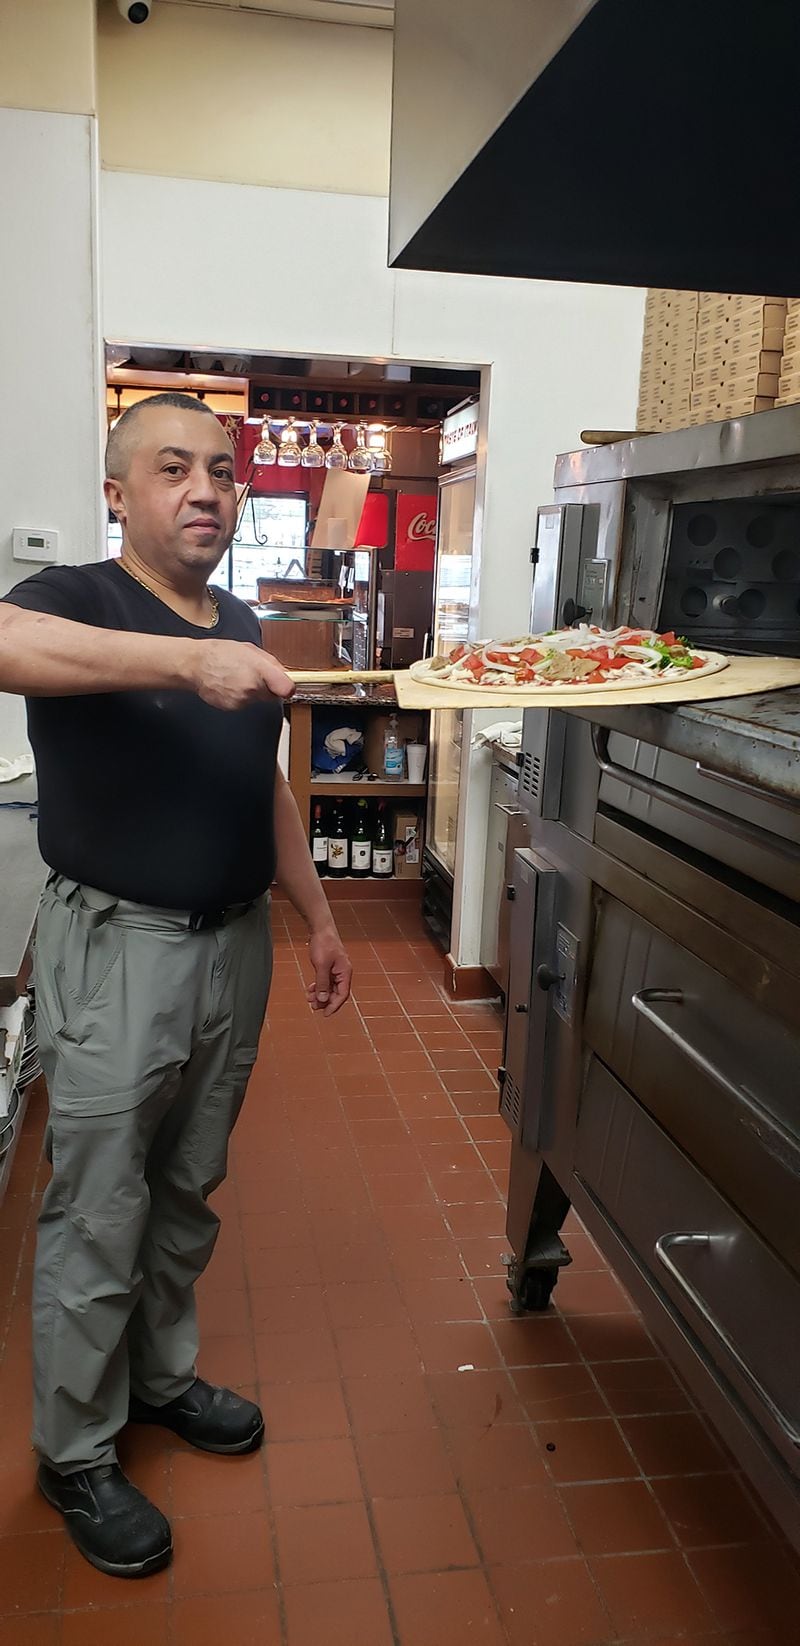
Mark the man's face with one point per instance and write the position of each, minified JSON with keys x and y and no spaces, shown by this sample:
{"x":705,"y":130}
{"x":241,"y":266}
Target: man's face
{"x":177,"y":501}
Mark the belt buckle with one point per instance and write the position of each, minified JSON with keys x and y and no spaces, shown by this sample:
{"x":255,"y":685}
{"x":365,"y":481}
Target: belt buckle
{"x":207,"y":922}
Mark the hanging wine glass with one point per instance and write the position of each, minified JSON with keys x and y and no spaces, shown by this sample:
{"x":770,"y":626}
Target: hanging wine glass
{"x":360,"y":456}
{"x":265,"y":452}
{"x":378,"y":443}
{"x":336,"y":456}
{"x":290,"y":452}
{"x":313,"y":455}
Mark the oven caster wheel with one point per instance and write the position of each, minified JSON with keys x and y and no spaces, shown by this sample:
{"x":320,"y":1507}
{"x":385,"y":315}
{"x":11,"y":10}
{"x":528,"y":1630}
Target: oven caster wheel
{"x":531,"y":1289}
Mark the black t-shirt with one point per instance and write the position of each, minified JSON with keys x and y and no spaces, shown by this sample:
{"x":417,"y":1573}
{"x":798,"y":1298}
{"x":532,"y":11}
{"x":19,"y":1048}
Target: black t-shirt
{"x":153,"y":796}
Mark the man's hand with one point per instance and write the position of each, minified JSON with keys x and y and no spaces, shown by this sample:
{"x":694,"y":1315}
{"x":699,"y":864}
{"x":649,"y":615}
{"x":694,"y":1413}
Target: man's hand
{"x":332,"y":972}
{"x":229,"y":674}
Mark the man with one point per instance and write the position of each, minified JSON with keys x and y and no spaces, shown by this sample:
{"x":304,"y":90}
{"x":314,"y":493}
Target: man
{"x":154,"y":717}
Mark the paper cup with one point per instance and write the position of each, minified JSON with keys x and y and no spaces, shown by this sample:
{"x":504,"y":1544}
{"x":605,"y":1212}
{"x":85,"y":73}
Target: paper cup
{"x":415,"y":755}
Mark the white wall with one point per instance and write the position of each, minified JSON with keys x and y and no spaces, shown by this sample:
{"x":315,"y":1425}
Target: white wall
{"x":49,"y":346}
{"x":303,"y":272}
{"x":299,"y":272}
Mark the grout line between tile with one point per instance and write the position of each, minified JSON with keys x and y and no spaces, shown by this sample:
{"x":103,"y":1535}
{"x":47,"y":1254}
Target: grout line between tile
{"x":264,"y":1451}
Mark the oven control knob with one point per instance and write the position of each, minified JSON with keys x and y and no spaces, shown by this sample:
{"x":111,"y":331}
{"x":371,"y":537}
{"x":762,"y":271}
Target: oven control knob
{"x":573,"y":613}
{"x":546,"y":977}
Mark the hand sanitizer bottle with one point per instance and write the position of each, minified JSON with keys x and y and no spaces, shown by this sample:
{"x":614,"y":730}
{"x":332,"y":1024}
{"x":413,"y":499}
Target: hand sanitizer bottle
{"x":393,"y":753}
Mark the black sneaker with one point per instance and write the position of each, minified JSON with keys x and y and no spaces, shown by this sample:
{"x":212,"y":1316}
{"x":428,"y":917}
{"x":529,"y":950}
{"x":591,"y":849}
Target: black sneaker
{"x":214,"y":1420}
{"x":113,"y":1524}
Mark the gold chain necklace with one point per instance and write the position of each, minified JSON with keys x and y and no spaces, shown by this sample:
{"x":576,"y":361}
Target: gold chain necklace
{"x":210,"y":592}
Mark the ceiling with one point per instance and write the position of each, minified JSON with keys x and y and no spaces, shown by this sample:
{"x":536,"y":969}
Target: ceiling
{"x":355,"y":13}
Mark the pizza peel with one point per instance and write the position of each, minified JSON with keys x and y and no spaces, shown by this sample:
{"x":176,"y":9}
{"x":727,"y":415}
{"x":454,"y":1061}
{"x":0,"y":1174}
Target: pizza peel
{"x":741,"y":677}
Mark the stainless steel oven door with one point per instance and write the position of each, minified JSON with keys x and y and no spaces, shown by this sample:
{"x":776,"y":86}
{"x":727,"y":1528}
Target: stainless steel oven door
{"x":734,"y":824}
{"x":718,"y":1071}
{"x":736,"y":1297}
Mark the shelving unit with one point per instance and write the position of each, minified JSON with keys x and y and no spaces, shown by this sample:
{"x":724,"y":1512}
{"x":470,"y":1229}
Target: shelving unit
{"x":377,"y":789}
{"x":306,"y":789}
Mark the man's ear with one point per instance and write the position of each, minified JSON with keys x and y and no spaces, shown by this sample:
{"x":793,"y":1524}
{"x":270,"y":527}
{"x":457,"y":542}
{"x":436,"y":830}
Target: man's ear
{"x":115,"y":498}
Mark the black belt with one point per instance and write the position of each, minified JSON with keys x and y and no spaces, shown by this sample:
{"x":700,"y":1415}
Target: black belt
{"x":210,"y":921}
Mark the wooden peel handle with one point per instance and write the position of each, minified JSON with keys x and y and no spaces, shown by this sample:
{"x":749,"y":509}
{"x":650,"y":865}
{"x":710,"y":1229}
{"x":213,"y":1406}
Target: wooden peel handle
{"x":340,"y":677}
{"x":609,"y":437}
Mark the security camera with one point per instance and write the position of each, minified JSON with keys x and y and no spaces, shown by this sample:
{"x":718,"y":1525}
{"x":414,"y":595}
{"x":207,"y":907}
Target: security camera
{"x":134,"y":11}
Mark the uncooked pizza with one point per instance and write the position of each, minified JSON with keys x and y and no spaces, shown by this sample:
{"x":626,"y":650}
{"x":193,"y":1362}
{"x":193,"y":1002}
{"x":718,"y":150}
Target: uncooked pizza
{"x":584,"y":656}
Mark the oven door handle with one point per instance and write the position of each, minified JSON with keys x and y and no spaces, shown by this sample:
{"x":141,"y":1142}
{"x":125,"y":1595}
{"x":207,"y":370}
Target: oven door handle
{"x":664,"y":1247}
{"x":705,"y":813}
{"x":746,"y":787}
{"x":781,"y":1142}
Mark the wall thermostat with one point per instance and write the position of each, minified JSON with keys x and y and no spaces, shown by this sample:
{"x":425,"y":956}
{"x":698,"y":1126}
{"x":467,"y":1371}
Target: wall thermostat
{"x":34,"y":545}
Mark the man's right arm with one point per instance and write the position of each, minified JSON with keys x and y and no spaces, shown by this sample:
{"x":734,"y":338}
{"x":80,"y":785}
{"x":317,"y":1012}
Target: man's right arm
{"x":45,"y":656}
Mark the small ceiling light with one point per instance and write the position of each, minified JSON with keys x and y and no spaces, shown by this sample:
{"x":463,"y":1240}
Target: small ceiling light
{"x":378,"y":444}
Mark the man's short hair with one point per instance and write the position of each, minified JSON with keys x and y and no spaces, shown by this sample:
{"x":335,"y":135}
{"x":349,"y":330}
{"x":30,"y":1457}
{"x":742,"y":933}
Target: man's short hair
{"x":120,"y":439}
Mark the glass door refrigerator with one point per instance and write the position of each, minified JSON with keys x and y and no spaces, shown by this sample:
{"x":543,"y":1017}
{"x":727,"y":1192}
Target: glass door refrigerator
{"x":454,"y":549}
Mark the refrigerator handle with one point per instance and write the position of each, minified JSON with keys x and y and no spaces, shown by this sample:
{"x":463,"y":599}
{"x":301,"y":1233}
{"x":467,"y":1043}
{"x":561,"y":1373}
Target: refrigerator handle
{"x":427,"y":644}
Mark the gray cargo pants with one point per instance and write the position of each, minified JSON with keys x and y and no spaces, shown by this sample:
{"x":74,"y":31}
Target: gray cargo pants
{"x":148,"y":1032}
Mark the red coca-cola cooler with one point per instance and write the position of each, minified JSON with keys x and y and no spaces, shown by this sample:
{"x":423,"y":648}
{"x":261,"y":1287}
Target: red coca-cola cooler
{"x":406,"y":598}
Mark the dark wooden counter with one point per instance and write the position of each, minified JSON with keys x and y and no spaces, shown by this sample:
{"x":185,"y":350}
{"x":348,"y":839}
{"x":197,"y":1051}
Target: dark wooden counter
{"x":365,"y":697}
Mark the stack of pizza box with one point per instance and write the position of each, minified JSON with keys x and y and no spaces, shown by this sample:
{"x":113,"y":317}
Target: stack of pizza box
{"x":789,"y":381}
{"x":667,"y":359}
{"x":737,"y":355}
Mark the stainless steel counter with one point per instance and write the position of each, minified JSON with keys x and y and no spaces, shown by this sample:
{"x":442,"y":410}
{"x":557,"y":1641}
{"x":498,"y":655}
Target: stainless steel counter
{"x":22,"y":875}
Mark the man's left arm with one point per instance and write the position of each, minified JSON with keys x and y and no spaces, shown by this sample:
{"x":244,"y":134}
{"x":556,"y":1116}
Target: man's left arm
{"x":297,"y":877}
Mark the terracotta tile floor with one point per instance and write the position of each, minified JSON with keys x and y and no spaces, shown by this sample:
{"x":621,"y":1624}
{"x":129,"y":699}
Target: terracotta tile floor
{"x":437,"y":1471}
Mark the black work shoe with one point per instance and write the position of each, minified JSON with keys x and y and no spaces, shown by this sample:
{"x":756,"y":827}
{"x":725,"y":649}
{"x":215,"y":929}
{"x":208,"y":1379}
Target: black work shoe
{"x":113,"y":1524}
{"x":214,"y":1420}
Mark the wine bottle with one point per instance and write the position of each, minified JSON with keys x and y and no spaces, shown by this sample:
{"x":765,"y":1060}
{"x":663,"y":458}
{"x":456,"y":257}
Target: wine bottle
{"x":319,"y":843}
{"x":382,"y":851}
{"x":360,"y":843}
{"x":337,"y":845}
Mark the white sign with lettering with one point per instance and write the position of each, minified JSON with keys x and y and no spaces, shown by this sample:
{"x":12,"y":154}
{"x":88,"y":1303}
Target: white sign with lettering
{"x":460,"y":434}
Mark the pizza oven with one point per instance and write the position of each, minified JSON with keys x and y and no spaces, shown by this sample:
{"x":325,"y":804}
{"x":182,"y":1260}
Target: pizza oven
{"x":733,"y":574}
{"x":651,"y":1068}
{"x":710,"y":550}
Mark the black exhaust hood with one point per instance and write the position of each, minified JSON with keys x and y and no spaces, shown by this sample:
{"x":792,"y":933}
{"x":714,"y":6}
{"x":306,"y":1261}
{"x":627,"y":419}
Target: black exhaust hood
{"x":651,"y":143}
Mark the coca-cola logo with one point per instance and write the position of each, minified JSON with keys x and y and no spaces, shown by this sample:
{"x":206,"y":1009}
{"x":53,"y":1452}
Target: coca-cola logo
{"x":421,"y":526}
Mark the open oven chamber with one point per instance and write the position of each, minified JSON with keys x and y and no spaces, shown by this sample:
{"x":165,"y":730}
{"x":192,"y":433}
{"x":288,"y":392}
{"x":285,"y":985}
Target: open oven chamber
{"x":651,"y":1073}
